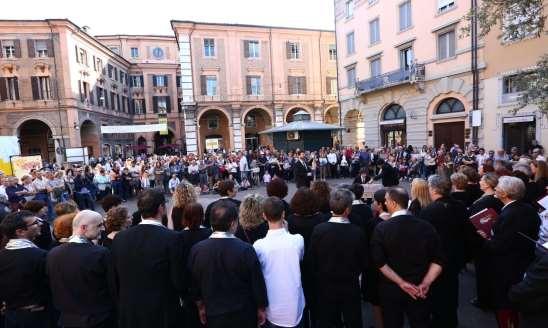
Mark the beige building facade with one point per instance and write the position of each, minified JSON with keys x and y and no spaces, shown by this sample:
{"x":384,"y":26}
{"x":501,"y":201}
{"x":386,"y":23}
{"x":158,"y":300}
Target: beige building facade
{"x":504,"y":127}
{"x":404,"y":72}
{"x":238,"y":80}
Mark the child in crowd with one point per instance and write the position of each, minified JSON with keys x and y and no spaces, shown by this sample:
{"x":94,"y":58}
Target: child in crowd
{"x":173,"y":183}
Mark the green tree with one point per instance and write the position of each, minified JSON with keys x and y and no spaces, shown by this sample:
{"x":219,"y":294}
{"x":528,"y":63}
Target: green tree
{"x":517,"y":19}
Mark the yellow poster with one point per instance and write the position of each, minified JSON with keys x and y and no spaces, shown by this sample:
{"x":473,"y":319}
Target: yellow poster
{"x":163,"y":120}
{"x":9,"y":146}
{"x":22,"y":165}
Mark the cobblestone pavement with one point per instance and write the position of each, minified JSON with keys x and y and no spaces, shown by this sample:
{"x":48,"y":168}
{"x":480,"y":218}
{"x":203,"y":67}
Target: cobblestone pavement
{"x":469,"y":316}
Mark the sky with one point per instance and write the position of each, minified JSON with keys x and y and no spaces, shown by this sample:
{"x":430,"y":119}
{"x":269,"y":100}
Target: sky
{"x":153,"y":16}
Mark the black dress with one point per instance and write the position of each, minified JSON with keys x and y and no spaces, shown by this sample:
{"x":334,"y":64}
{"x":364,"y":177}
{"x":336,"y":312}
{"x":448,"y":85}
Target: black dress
{"x":461,"y":196}
{"x":191,"y":238}
{"x":415,"y":207}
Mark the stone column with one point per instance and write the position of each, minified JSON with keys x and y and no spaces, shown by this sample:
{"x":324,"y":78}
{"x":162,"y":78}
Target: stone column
{"x":191,"y":128}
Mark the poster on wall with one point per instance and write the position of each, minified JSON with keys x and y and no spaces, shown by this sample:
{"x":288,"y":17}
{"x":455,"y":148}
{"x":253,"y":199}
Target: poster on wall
{"x":10,"y":147}
{"x":22,"y":165}
{"x":77,"y":155}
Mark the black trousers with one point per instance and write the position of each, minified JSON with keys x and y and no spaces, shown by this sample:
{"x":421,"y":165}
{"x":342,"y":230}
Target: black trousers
{"x":329,"y":314}
{"x":444,"y":297}
{"x":26,"y":319}
{"x":241,"y":319}
{"x":396,"y":304}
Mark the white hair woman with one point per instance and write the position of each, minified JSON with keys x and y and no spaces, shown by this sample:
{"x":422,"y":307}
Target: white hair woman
{"x":508,"y":248}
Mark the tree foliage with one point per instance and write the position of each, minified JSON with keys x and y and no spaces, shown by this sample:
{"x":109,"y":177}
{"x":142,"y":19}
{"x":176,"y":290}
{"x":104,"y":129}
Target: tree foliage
{"x":518,"y":20}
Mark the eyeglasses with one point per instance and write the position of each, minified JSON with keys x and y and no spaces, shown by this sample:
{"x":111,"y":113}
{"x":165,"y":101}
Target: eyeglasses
{"x":35,"y":222}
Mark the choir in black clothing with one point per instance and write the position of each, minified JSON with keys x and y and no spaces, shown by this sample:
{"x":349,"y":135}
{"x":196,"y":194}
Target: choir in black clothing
{"x":151,"y":276}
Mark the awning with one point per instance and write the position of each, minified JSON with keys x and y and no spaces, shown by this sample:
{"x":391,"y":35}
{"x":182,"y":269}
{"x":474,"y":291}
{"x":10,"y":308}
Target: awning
{"x":303,"y":126}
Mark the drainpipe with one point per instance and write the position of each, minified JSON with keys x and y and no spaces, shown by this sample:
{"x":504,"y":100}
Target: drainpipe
{"x":271,"y":77}
{"x":337,"y":70}
{"x":56,"y":87}
{"x":475,"y":72}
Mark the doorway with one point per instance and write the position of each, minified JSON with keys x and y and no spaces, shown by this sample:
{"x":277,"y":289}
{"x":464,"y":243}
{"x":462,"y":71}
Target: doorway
{"x":449,"y":134}
{"x":519,"y":134}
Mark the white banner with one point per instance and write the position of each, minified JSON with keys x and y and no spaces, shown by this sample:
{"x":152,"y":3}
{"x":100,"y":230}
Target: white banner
{"x":133,"y":128}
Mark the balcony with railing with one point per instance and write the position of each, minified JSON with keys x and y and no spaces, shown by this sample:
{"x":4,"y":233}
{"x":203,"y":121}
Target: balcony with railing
{"x":401,"y":76}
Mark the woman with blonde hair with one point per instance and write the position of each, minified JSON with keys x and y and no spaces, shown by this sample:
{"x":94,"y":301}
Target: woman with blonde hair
{"x":420,"y":197}
{"x":251,"y":225}
{"x":184,"y":194}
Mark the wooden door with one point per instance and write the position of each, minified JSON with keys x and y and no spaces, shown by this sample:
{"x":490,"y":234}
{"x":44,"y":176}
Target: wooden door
{"x":449,"y":134}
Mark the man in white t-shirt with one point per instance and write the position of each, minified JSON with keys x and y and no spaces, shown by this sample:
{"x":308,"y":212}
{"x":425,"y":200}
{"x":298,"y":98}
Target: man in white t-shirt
{"x":280,"y":254}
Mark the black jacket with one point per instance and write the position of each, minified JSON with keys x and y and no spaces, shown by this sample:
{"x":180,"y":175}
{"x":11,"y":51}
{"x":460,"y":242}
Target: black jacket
{"x":149,"y":266}
{"x":510,"y":253}
{"x":301,"y":174}
{"x":388,"y":176}
{"x":531,"y":294}
{"x":82,"y":283}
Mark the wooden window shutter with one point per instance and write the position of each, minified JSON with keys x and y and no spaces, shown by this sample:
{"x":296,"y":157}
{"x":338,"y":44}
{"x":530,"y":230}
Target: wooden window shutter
{"x":91,"y":97}
{"x":328,"y":85}
{"x":98,"y":94}
{"x":118,"y":102}
{"x":246,"y":49}
{"x":30,"y":47}
{"x":34,"y":85}
{"x":17,"y":44}
{"x":3,"y":89}
{"x":168,"y":104}
{"x":16,"y":86}
{"x":105,"y":95}
{"x":153,"y":80}
{"x":290,"y":85}
{"x":94,"y":64}
{"x":1,"y":50}
{"x":288,"y":49}
{"x":165,"y":80}
{"x":144,"y":105}
{"x":76,"y":52}
{"x":142,"y":81}
{"x":49,"y":45}
{"x":303,"y":85}
{"x":248,"y":84}
{"x":155,"y":104}
{"x":80,"y":90}
{"x":203,"y":86}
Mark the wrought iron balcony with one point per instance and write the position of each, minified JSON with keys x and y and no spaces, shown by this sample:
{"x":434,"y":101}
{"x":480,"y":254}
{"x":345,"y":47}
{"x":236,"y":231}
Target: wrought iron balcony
{"x":415,"y":74}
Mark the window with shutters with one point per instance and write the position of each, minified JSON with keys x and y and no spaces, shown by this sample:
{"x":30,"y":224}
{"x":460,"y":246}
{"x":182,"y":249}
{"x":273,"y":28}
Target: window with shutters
{"x":115,"y":73}
{"x":446,"y":45}
{"x":83,"y":55}
{"x":293,"y":50}
{"x":350,"y":47}
{"x":110,"y":70}
{"x":374,"y":32}
{"x":12,"y":88}
{"x":41,"y":48}
{"x":297,"y":85}
{"x":211,"y":85}
{"x":134,"y":52}
{"x":406,"y":58}
{"x":375,"y":67}
{"x":253,"y":85}
{"x":445,"y":5}
{"x":209,"y":47}
{"x":351,"y":77}
{"x":331,"y":85}
{"x":43,"y":87}
{"x":138,"y":106}
{"x":405,"y":15}
{"x":136,"y":81}
{"x":332,"y":52}
{"x":252,"y":49}
{"x":112,"y":101}
{"x":8,"y":48}
{"x":99,"y":65}
{"x":101,"y":97}
{"x":349,"y":8}
{"x":160,"y":80}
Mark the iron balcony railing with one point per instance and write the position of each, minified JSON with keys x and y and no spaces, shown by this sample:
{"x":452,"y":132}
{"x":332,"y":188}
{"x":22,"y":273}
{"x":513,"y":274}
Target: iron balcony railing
{"x":415,"y":74}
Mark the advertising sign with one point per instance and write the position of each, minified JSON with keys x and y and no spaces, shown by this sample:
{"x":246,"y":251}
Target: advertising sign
{"x":10,"y":147}
{"x":22,"y":165}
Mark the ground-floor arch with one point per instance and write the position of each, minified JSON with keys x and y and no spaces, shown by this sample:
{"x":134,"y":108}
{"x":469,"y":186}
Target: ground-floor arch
{"x":331,"y":115}
{"x":354,"y":128}
{"x":214,"y":127}
{"x":163,"y":143}
{"x":36,"y":138}
{"x":255,"y":121}
{"x":89,"y":137}
{"x":292,"y":111}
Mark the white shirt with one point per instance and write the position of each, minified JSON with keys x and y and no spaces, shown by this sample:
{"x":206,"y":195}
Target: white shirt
{"x":243,"y":164}
{"x":280,"y":253}
{"x":40,"y":184}
{"x":332,"y":158}
{"x":400,"y":212}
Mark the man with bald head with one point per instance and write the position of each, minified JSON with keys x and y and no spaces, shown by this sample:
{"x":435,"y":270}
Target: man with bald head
{"x":81,"y":276}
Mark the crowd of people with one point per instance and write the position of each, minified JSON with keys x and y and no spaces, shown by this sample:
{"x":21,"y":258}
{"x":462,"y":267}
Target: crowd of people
{"x":308,"y":261}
